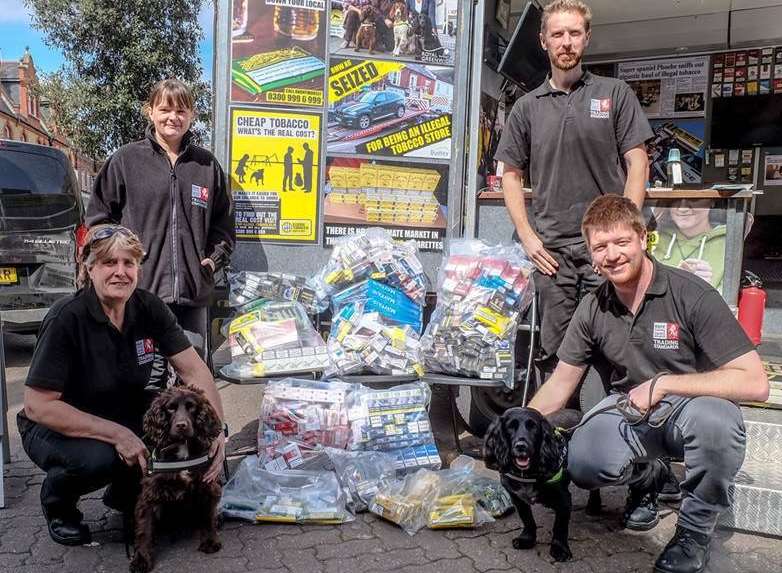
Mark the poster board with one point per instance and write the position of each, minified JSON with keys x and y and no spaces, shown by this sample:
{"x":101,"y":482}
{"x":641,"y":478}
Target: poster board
{"x":669,"y":88}
{"x":408,"y":200}
{"x":275,"y":174}
{"x":399,"y":33}
{"x":390,"y":108}
{"x":278,"y":52}
{"x":689,"y":234}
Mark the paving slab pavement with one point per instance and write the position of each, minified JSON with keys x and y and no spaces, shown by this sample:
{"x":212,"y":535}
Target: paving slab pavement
{"x":364,"y":546}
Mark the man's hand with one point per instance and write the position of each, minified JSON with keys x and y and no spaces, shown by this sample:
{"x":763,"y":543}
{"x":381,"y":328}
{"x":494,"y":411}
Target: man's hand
{"x":538,"y":254}
{"x":131,"y":449}
{"x":639,"y":396}
{"x":217,"y":453}
{"x":207,"y":262}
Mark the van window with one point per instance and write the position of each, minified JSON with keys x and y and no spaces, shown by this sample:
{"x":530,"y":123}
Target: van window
{"x":36,"y":192}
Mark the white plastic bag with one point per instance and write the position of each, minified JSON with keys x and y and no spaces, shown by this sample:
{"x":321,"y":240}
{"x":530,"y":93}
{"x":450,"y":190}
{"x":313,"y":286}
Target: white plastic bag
{"x":297,"y":418}
{"x":271,"y":339}
{"x":361,"y":474}
{"x":482,"y":291}
{"x":254,"y":494}
{"x":395,"y":421}
{"x":371,"y":253}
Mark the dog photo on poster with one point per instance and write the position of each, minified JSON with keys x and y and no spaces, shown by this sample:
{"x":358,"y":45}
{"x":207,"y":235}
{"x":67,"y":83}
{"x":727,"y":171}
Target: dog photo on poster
{"x":395,"y":109}
{"x":407,"y":199}
{"x":416,"y":31}
{"x":278,"y":51}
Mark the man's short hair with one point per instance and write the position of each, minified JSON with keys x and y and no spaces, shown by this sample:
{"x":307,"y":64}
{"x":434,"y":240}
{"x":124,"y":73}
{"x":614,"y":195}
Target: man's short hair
{"x":557,"y":6}
{"x":610,"y":211}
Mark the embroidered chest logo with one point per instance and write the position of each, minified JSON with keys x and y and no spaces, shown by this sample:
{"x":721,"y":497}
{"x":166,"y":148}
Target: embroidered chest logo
{"x":600,"y":108}
{"x":145,"y":350}
{"x":200,"y":196}
{"x":665,"y":336}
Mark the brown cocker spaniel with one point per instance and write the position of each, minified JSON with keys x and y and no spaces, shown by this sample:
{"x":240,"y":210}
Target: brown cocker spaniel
{"x":179,"y":425}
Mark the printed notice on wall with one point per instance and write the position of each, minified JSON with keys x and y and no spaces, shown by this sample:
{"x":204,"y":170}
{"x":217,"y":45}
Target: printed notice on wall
{"x":669,"y":88}
{"x":274,"y":174}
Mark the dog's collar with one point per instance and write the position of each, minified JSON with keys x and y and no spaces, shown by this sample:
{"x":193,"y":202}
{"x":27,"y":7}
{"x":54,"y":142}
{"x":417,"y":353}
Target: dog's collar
{"x":157,"y":466}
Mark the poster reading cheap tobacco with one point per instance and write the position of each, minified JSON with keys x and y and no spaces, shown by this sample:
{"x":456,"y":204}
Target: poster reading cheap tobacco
{"x":274,"y":174}
{"x":278,"y":51}
{"x":389,"y":108}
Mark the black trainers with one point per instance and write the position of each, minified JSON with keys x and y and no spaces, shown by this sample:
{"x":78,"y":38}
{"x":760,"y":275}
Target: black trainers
{"x":687,"y":552}
{"x":641,"y":511}
{"x":670,"y":490}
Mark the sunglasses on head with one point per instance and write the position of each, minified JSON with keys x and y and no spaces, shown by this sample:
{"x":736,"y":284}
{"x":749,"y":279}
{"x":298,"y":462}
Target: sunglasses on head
{"x":106,"y":233}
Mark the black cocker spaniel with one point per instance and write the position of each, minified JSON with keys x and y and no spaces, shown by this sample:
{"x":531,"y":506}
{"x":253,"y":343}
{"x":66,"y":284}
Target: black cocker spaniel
{"x":180,"y":425}
{"x":531,"y":458}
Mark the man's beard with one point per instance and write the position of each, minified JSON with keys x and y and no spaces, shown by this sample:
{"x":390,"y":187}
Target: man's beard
{"x":575,"y":60}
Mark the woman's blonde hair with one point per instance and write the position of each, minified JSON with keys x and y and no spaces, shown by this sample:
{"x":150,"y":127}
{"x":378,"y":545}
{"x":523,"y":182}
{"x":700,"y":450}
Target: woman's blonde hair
{"x":101,"y":242}
{"x":171,"y":91}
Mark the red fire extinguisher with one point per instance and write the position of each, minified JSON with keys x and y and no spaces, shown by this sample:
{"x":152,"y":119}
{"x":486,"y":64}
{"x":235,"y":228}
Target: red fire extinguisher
{"x":752,"y":305}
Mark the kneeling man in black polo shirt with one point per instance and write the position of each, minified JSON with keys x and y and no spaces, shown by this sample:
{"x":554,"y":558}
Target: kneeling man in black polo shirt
{"x":85,"y":400}
{"x":668,"y":340}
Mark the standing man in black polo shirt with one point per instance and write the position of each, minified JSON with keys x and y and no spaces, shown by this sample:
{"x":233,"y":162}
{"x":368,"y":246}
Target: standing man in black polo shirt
{"x":574,"y":138}
{"x":671,"y":343}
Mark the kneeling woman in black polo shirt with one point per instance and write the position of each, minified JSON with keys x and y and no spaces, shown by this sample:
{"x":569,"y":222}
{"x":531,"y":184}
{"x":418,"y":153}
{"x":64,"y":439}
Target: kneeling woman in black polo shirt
{"x":85,"y":399}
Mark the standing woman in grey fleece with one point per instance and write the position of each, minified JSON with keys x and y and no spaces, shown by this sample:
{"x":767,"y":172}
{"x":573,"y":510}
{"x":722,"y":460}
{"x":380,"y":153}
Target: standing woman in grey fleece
{"x":173,"y":194}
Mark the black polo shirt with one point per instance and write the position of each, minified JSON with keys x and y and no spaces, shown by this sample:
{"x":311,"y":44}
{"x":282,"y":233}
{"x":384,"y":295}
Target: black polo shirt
{"x":571,"y":145}
{"x":683,"y":325}
{"x":97,"y":368}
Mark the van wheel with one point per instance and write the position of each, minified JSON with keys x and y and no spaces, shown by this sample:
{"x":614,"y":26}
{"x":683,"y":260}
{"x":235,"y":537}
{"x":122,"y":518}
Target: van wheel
{"x":486,"y":404}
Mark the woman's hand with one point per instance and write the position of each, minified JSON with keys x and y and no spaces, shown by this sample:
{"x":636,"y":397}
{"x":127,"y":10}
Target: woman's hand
{"x":217,"y":453}
{"x":698,"y":267}
{"x":207,"y":262}
{"x":131,"y":449}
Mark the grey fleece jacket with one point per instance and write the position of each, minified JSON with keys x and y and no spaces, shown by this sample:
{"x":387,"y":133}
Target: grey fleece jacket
{"x":182,"y":213}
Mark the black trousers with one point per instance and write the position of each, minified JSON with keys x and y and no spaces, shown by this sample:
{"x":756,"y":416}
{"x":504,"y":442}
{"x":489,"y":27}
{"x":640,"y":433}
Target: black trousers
{"x":194,"y":321}
{"x":75,"y":467}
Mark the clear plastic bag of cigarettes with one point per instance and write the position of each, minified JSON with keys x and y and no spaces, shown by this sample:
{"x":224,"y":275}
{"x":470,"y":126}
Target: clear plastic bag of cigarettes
{"x":372,"y":254}
{"x":365,"y":341}
{"x":298,"y":417}
{"x":361,"y":474}
{"x":273,"y":338}
{"x":247,"y":286}
{"x":406,"y":502}
{"x":395,"y":421}
{"x":257,"y":495}
{"x":482,"y":291}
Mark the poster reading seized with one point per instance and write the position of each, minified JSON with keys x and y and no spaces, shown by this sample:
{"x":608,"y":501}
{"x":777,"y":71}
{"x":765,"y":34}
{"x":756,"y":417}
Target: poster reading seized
{"x":395,"y":29}
{"x":274,"y":174}
{"x":390,"y":108}
{"x":278,"y":51}
{"x":407,"y":199}
{"x":674,"y":87}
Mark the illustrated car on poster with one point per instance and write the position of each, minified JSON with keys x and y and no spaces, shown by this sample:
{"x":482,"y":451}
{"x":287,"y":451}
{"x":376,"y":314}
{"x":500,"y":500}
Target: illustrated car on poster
{"x":371,"y":107}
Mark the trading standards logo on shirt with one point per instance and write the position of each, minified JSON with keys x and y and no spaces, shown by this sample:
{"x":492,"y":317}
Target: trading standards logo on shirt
{"x":600,"y":108}
{"x":666,"y":336}
{"x":200,"y":196}
{"x":145,"y":350}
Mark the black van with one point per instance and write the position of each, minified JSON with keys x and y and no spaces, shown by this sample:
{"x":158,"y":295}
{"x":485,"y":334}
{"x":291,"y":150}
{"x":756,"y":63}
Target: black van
{"x":41,"y":217}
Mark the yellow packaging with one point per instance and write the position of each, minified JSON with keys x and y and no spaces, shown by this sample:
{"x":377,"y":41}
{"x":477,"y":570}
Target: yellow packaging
{"x":368,"y":175}
{"x":452,"y":511}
